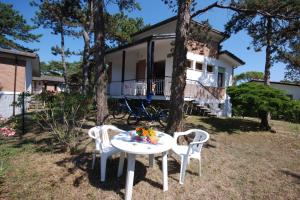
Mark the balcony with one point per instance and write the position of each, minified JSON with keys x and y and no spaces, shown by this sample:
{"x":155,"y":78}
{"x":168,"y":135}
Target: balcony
{"x":194,"y":90}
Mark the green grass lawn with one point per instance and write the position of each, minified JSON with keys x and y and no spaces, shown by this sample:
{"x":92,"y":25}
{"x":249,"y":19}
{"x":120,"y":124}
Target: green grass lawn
{"x":239,"y":162}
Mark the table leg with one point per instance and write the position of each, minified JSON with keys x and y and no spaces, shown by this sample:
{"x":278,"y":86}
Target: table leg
{"x":151,"y":160}
{"x":121,"y":164}
{"x":130,"y":176}
{"x":165,"y":170}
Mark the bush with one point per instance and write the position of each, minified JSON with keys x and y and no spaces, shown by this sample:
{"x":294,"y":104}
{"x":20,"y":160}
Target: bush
{"x":63,"y":116}
{"x":292,"y":112}
{"x":254,"y":100}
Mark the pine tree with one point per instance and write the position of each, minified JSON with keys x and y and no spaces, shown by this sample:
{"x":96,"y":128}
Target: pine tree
{"x":58,"y":15}
{"x":14,"y":29}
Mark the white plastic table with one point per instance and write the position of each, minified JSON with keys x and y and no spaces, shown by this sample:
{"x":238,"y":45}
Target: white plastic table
{"x":124,"y":142}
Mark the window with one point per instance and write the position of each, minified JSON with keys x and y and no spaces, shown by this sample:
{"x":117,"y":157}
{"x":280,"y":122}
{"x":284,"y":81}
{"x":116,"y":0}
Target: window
{"x":221,"y":106}
{"x":189,"y":64}
{"x":221,"y":76}
{"x":210,"y":68}
{"x":109,"y":71}
{"x":220,"y":79}
{"x":198,"y":66}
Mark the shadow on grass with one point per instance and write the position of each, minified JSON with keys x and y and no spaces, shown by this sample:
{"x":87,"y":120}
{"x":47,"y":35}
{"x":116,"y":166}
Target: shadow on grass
{"x":174,"y":167}
{"x":42,"y":145}
{"x":83,"y":162}
{"x":229,"y":125}
{"x":292,"y":174}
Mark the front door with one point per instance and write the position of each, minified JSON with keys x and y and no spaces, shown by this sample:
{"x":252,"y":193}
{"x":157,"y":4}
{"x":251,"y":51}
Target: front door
{"x":159,"y":77}
{"x":140,"y":70}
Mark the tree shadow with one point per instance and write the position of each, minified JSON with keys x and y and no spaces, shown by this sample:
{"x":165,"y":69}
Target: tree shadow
{"x":173,"y":167}
{"x":292,"y":174}
{"x":229,"y":125}
{"x":43,"y":145}
{"x":83,"y":162}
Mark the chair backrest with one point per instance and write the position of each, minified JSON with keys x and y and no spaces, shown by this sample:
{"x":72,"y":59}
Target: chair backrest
{"x":100,"y":135}
{"x":200,"y":138}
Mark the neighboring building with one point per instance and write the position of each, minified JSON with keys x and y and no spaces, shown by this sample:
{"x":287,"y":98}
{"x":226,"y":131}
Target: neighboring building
{"x":16,"y":71}
{"x":145,"y":65}
{"x":47,"y":83}
{"x":291,"y":89}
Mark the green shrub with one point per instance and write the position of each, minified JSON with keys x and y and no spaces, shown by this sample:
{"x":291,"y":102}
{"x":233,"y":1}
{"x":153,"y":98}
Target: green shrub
{"x":292,"y":112}
{"x":63,"y":116}
{"x":254,"y":100}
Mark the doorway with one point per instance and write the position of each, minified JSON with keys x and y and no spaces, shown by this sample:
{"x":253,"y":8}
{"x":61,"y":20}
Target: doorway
{"x":159,"y":77}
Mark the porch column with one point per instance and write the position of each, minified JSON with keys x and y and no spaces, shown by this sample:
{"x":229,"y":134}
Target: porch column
{"x":123,"y":70}
{"x":150,"y":58}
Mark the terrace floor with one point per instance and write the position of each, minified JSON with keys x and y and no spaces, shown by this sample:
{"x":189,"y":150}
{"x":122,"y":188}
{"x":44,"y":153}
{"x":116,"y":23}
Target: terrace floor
{"x":239,"y":162}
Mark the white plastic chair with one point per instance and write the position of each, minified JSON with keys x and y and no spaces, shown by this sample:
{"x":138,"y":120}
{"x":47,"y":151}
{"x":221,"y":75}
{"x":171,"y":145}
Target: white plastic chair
{"x":104,"y":147}
{"x":193,"y":150}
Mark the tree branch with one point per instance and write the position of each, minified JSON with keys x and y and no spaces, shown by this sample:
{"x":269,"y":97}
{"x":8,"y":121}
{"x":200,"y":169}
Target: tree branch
{"x":245,"y":10}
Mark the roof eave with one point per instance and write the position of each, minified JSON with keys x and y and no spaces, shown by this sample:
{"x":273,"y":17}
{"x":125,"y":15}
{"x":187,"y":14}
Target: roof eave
{"x":170,"y":20}
{"x":234,"y":57}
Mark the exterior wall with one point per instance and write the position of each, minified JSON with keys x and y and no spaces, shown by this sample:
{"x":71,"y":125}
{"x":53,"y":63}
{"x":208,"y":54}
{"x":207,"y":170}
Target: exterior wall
{"x":6,"y":99}
{"x":37,"y":87}
{"x":289,"y":89}
{"x":207,"y":78}
{"x":28,"y":75}
{"x":209,"y":49}
{"x":7,"y":81}
{"x":7,"y":75}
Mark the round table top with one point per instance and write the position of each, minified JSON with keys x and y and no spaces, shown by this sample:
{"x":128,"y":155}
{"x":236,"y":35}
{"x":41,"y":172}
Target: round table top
{"x":124,"y":142}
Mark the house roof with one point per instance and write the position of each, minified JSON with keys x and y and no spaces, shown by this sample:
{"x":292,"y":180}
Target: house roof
{"x":49,"y":78}
{"x":19,"y":53}
{"x":232,"y":56}
{"x":169,"y":36}
{"x":170,"y":20}
{"x":274,"y":82}
{"x":151,"y":37}
{"x":23,"y":55}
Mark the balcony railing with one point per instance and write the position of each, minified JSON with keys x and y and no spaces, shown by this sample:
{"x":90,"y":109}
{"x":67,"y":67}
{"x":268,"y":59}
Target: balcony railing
{"x":139,"y":87}
{"x":194,"y":90}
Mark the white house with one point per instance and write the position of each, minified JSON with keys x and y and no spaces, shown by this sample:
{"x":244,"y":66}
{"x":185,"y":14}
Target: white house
{"x":291,"y":89}
{"x":145,"y":65}
{"x":16,"y":71}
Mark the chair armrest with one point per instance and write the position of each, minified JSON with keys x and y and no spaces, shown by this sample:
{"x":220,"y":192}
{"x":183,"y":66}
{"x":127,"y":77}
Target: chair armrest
{"x":201,"y":142}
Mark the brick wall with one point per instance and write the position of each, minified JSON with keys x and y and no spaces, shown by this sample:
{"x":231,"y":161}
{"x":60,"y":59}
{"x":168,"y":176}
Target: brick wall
{"x":209,"y":49}
{"x":7,"y":75}
{"x":217,"y":92}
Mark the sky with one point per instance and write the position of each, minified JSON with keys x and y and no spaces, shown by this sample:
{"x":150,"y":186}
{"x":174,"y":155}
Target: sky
{"x":154,"y":11}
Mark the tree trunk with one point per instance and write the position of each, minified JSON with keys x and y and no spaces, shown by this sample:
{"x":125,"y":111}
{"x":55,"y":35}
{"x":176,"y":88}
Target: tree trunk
{"x":101,"y":77}
{"x":175,"y":120}
{"x":63,"y":56}
{"x":85,"y":62}
{"x":268,"y":52}
{"x":265,"y":121}
{"x":266,"y":117}
{"x":88,"y":26}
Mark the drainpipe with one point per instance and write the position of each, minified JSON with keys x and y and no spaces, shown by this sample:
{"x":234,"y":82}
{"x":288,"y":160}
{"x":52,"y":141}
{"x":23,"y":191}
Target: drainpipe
{"x":15,"y":87}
